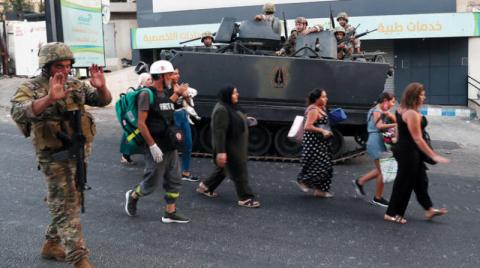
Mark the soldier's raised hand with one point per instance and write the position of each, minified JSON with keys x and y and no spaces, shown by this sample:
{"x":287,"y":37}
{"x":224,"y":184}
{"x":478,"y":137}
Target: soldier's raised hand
{"x":57,"y":88}
{"x":97,"y":79}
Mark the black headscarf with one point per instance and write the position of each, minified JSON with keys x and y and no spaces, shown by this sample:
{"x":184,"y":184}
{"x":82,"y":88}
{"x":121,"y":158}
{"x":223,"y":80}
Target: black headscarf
{"x":237,"y":125}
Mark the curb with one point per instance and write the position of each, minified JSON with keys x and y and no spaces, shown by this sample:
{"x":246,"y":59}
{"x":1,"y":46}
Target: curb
{"x":457,"y":112}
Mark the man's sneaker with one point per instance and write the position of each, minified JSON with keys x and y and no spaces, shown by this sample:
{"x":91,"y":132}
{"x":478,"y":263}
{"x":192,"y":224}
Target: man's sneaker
{"x":190,"y":178}
{"x":358,"y":188}
{"x":174,"y":217}
{"x":130,"y":204}
{"x":380,"y":202}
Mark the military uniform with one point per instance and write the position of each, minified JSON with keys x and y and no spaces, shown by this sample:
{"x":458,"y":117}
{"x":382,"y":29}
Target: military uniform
{"x":289,"y":46}
{"x":344,"y":51}
{"x":208,"y":35}
{"x":58,"y":166}
{"x":349,"y":29}
{"x":275,"y":22}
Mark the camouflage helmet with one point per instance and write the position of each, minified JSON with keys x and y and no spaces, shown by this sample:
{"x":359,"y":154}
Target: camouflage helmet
{"x":205,"y":35}
{"x":269,"y":8}
{"x":302,"y":20}
{"x":54,"y":51}
{"x":339,"y":29}
{"x":342,"y":15}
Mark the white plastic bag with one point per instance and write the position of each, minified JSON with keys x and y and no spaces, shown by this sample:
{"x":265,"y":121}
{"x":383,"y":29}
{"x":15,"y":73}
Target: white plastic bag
{"x":389,"y":168}
{"x":296,"y":130}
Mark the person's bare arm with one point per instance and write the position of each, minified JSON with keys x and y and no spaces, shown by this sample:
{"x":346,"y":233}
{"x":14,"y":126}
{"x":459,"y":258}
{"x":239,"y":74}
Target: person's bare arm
{"x":142,"y":126}
{"x":178,"y":91}
{"x":312,"y":116}
{"x":413,"y":121}
{"x":379,"y":123}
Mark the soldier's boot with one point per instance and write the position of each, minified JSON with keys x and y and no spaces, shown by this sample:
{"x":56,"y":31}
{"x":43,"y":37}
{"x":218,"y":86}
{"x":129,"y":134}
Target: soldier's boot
{"x":83,"y":263}
{"x":53,"y":250}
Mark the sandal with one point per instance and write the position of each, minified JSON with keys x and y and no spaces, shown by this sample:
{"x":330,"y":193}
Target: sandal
{"x":204,"y":190}
{"x":322,"y":194}
{"x":397,"y":219}
{"x":126,"y":160}
{"x":302,"y":186}
{"x":249,"y":203}
{"x":429,"y":215}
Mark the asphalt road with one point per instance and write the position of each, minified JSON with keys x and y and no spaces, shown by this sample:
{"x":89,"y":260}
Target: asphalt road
{"x":290,"y":229}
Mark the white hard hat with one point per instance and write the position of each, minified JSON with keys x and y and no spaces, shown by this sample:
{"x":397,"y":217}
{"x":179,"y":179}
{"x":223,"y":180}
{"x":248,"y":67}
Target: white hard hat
{"x":161,"y":67}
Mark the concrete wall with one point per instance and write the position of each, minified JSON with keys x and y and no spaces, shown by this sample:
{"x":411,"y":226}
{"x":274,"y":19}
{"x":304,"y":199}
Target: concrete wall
{"x":473,"y":64}
{"x":122,"y":37}
{"x":118,"y":42}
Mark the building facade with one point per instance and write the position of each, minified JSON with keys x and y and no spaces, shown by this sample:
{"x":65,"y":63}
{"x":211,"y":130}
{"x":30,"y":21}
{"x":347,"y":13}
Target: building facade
{"x":434,"y":42}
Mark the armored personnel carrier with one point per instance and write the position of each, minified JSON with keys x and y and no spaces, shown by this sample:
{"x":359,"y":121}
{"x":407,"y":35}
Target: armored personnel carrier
{"x":272,"y":88}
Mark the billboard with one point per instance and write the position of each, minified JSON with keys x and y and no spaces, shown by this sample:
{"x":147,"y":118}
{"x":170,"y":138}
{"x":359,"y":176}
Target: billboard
{"x":83,"y":31}
{"x":388,"y":27}
{"x":184,"y":5}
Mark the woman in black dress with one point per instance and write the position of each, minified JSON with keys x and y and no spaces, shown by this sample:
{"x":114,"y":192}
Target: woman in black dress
{"x":410,"y":152}
{"x":317,"y":155}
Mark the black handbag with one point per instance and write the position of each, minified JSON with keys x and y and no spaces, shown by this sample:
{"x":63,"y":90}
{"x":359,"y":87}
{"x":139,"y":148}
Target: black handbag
{"x":427,"y":139}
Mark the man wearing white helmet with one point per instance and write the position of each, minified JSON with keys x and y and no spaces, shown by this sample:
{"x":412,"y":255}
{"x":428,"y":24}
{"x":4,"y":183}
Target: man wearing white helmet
{"x":156,"y":125}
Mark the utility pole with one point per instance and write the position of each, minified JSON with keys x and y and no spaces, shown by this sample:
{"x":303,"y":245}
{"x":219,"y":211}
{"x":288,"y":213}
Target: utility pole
{"x":3,"y":40}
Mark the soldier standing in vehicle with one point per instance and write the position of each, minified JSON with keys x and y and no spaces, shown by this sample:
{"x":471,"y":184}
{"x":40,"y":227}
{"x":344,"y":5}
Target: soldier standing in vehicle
{"x":300,"y":28}
{"x":344,"y":49}
{"x":42,"y":107}
{"x":342,"y":19}
{"x":268,"y":16}
{"x":155,"y":123}
{"x":207,"y":40}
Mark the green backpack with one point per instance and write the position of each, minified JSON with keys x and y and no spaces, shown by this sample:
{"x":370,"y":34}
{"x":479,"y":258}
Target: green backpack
{"x":127,"y":114}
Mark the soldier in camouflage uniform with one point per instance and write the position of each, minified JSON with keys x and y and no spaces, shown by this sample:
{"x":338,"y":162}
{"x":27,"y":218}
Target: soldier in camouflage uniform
{"x":300,"y":28}
{"x":207,"y":40}
{"x":342,"y":19}
{"x":344,"y":49}
{"x":41,"y":107}
{"x":268,"y":16}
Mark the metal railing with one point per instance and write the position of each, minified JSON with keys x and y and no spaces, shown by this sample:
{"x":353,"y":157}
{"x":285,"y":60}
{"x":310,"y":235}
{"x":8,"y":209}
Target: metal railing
{"x":474,"y":83}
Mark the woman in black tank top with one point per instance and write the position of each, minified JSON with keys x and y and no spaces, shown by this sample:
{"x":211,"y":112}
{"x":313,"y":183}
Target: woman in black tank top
{"x":410,"y":152}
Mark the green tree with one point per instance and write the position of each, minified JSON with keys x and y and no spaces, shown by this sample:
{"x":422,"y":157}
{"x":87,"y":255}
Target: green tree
{"x":19,"y":5}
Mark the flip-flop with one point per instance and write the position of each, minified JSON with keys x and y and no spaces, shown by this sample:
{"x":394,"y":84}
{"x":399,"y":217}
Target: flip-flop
{"x":323,"y":195}
{"x":397,"y":219}
{"x":436,"y":212}
{"x":303,"y":188}
{"x":249,"y":203}
{"x":204,"y":190}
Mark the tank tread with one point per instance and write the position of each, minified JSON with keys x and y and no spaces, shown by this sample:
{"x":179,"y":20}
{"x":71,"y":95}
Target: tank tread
{"x":338,"y":160}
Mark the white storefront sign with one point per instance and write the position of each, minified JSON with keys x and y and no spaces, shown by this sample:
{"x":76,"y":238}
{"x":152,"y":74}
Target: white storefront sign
{"x":388,"y":27}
